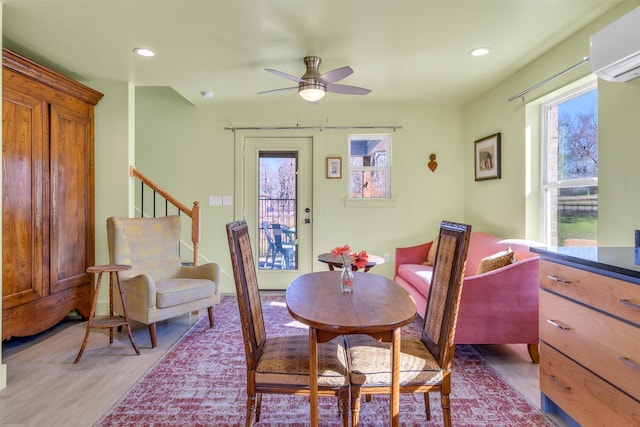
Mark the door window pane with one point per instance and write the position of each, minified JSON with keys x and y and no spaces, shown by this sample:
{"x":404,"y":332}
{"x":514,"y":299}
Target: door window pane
{"x":277,"y":210}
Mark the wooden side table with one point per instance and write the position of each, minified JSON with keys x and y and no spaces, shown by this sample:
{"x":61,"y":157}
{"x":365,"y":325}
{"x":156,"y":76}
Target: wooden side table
{"x":109,"y":321}
{"x":334,"y":262}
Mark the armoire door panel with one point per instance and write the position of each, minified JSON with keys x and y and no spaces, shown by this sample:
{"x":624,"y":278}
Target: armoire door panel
{"x":23,"y":178}
{"x":70,"y":188}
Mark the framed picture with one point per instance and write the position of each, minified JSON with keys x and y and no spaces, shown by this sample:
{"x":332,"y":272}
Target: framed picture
{"x":334,"y":167}
{"x":487,"y":157}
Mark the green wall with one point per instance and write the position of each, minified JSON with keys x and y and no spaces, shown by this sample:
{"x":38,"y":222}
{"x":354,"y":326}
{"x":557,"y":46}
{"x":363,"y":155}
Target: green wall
{"x":510,"y":206}
{"x":188,"y":151}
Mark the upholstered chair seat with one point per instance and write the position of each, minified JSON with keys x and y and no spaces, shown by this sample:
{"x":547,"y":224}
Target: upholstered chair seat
{"x":370,"y":360}
{"x":285,"y":360}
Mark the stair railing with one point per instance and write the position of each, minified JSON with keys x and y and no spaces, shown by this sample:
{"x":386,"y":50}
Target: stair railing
{"x":193,"y":213}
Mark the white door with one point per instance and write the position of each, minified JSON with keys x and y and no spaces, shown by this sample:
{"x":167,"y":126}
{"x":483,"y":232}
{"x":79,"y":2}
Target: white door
{"x":276,"y":195}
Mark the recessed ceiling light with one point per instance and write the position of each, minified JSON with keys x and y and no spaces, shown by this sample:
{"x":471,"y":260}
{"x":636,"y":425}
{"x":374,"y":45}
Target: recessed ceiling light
{"x":207,"y":94}
{"x":143,"y":51}
{"x":481,"y":51}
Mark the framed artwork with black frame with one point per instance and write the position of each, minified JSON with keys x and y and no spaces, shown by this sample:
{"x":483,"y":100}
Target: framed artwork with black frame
{"x":487,"y":157}
{"x":334,"y":167}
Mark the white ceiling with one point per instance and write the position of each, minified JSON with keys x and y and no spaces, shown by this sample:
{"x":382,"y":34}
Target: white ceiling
{"x":402,"y":50}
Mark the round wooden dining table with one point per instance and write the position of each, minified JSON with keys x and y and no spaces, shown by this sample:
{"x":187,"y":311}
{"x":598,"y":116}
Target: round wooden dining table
{"x":377,"y":307}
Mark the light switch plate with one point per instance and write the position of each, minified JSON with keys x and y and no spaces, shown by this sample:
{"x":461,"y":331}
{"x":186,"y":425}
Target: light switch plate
{"x":227,"y":200}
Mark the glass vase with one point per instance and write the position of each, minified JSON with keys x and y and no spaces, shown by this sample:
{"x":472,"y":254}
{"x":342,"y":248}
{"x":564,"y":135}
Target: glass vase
{"x":346,"y":278}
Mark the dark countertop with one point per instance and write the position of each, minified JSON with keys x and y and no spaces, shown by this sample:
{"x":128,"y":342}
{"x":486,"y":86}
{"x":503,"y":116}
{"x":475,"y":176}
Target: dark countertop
{"x":613,"y":261}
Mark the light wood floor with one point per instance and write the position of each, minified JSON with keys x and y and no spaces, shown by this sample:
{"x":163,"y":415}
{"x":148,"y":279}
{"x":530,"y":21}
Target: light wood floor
{"x":45,"y":388}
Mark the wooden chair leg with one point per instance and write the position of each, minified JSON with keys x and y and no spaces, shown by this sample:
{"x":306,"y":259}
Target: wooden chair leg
{"x":355,"y":404}
{"x":210,"y":311}
{"x":533,"y":352}
{"x":427,"y":406}
{"x":152,"y":333}
{"x":446,"y":410}
{"x":343,"y":405}
{"x":251,"y":404}
{"x":258,"y":407}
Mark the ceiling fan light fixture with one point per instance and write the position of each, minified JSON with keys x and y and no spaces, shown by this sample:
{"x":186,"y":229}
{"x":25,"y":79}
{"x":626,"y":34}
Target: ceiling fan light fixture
{"x":311,"y":92}
{"x":143,"y":51}
{"x":480,"y":51}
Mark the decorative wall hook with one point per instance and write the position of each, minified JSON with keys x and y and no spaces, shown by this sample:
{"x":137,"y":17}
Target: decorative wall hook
{"x":432,"y":162}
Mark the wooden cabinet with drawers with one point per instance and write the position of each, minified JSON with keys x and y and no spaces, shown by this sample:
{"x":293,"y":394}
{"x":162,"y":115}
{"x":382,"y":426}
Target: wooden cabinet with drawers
{"x":590,"y":342}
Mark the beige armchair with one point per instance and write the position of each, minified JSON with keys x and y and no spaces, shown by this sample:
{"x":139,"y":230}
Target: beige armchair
{"x":158,"y":286}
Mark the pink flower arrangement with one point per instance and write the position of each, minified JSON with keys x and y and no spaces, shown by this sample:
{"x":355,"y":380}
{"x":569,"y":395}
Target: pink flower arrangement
{"x":358,"y":259}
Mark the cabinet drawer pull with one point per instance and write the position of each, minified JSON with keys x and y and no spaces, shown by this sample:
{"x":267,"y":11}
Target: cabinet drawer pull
{"x":629,"y":303}
{"x":557,"y":382}
{"x":557,"y":279}
{"x":630,"y":362}
{"x":558,"y":325}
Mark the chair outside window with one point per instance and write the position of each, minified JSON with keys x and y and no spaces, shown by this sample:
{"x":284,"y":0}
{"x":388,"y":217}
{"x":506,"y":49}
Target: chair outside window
{"x":271,"y":247}
{"x":425,"y":363}
{"x":285,"y":245}
{"x":158,"y":286}
{"x":280,"y":242}
{"x":279,"y":365}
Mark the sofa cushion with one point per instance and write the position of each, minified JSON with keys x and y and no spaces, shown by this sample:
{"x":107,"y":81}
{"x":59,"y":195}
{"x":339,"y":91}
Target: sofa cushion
{"x":431,"y":256}
{"x":495,"y":261}
{"x":419,"y":276}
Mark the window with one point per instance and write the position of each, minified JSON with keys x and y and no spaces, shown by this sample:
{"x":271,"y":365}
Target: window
{"x":369,"y":166}
{"x":277,"y":209}
{"x":570,"y":168}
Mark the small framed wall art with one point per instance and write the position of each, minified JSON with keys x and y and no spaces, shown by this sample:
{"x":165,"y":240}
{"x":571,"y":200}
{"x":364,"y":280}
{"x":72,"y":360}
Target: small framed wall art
{"x":334,"y":167}
{"x":487,"y":157}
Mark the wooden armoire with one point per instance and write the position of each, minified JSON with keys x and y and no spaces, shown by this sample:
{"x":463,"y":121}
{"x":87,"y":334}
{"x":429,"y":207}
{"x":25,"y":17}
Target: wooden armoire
{"x":47,"y":196}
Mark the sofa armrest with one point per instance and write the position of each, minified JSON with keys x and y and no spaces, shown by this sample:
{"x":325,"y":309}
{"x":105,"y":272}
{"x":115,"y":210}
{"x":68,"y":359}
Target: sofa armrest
{"x":411,"y":255}
{"x":504,"y":302}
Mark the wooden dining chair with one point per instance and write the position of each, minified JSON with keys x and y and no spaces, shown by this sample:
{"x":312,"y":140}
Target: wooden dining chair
{"x":280,"y":364}
{"x":425,"y":362}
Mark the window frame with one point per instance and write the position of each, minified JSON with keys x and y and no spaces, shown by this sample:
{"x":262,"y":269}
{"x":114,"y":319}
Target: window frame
{"x":387,"y":168}
{"x":547,"y":185}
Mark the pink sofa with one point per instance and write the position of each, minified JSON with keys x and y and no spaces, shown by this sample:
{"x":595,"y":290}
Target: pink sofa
{"x":497,"y":307}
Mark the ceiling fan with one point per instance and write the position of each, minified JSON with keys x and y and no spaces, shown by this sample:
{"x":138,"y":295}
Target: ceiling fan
{"x":312,"y":86}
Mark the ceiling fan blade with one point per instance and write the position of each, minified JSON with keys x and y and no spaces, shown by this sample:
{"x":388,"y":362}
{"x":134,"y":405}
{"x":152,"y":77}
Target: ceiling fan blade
{"x":285,"y":75}
{"x":347,"y":90}
{"x":278,"y":90}
{"x":336,"y":75}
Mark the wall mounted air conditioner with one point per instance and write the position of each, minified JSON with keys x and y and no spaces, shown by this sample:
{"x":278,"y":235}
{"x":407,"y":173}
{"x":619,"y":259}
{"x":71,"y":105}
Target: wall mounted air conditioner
{"x":615,"y":49}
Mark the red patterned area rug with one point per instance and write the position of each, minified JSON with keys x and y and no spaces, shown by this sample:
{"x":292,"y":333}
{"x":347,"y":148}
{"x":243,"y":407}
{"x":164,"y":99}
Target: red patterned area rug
{"x":201,"y":381}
